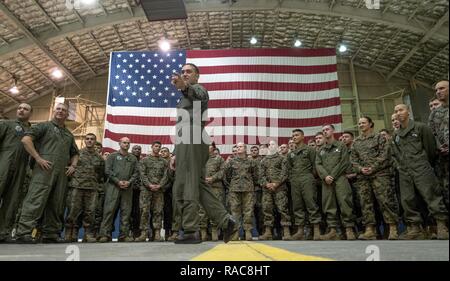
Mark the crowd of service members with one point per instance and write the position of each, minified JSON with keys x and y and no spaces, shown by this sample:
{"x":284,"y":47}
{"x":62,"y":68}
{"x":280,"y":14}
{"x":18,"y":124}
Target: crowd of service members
{"x":384,"y":184}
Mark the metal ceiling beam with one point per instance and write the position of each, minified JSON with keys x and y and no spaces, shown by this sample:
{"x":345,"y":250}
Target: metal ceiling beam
{"x":36,"y":41}
{"x":118,"y":36}
{"x":277,"y":15}
{"x":385,"y":48}
{"x":46,"y":15}
{"x":363,"y":42}
{"x":322,"y":8}
{"x":318,"y":35}
{"x":13,"y":76}
{"x":130,"y":9}
{"x":98,"y":45}
{"x":103,"y":8}
{"x":95,"y":21}
{"x":332,"y":4}
{"x":36,"y":68}
{"x":208,"y":29}
{"x":138,"y":24}
{"x":430,"y":60}
{"x":9,"y":97}
{"x":231,"y":26}
{"x":387,"y":7}
{"x":83,"y":59}
{"x":4,"y":41}
{"x":188,"y":35}
{"x":80,"y":19}
{"x":424,"y":39}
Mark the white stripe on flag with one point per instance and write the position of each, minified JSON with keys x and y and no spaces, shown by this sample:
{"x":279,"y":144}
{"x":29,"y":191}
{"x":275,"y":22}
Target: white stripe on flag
{"x":296,"y":61}
{"x":273,"y":95}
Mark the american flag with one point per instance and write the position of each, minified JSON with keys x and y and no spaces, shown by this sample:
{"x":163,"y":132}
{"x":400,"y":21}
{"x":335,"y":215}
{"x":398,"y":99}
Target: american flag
{"x":255,"y":95}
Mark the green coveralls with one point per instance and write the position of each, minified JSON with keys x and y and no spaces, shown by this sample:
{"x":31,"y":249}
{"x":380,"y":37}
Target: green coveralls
{"x":47,"y":193}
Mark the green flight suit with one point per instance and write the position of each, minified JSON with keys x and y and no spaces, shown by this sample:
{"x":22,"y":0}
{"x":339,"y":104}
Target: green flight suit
{"x":47,"y":192}
{"x":13,"y":169}
{"x":190,"y":188}
{"x":118,"y":168}
{"x":414,"y":150}
{"x":301,"y":164}
{"x":333,"y":160}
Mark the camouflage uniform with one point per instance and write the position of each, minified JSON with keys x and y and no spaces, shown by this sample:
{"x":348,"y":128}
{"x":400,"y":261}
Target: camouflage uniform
{"x":259,"y":209}
{"x":301,"y":164}
{"x":214,"y":169}
{"x":118,"y":168}
{"x":333,"y":160}
{"x":84,"y":183}
{"x":438,"y":122}
{"x":414,"y":152}
{"x":99,"y":206}
{"x":274,"y":170}
{"x":242,"y":175}
{"x":13,"y":169}
{"x":373,"y":151}
{"x":153,"y":171}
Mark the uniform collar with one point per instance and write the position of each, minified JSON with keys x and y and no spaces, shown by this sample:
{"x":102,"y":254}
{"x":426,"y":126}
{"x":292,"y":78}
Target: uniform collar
{"x":57,"y":125}
{"x":404,"y":131}
{"x":25,"y":124}
{"x":299,"y":148}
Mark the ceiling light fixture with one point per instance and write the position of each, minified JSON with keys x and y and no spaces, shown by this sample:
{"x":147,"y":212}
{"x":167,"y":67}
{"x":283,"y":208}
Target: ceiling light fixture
{"x":342,"y":48}
{"x":57,"y":73}
{"x":297,"y":43}
{"x":14,"y":89}
{"x":253,"y":40}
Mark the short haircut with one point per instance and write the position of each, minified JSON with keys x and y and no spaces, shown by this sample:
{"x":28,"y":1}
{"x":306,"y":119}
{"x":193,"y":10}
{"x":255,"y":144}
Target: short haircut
{"x":331,"y":125}
{"x":156,"y":142}
{"x":318,"y":134}
{"x":165,"y":148}
{"x":91,"y":134}
{"x":255,"y":146}
{"x":384,"y":130}
{"x":433,"y":99}
{"x":194,"y":66}
{"x":349,"y":133}
{"x":311,"y":141}
{"x":298,"y":130}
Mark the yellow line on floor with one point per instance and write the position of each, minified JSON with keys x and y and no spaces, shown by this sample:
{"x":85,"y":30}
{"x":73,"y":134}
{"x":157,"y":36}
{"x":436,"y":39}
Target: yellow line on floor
{"x":251,"y":251}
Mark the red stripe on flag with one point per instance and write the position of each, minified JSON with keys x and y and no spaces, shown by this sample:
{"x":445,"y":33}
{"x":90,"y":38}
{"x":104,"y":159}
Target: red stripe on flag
{"x":271,"y":86}
{"x":230,"y":121}
{"x":300,"y":105}
{"x":286,"y":69}
{"x":291,"y":52}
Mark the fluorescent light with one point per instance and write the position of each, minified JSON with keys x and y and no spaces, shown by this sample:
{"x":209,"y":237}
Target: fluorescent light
{"x":253,"y":41}
{"x":57,"y":73}
{"x":14,"y":90}
{"x":297,"y":43}
{"x":164,"y":45}
{"x":342,"y":48}
{"x":88,"y":2}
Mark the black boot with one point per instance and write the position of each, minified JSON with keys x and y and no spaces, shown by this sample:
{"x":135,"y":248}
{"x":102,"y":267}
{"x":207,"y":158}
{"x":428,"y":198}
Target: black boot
{"x":189,"y":238}
{"x":229,"y":230}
